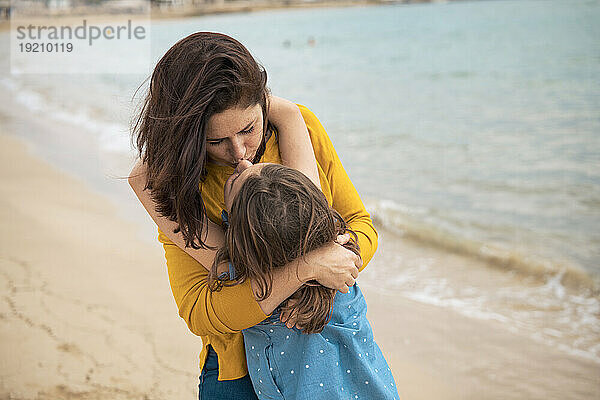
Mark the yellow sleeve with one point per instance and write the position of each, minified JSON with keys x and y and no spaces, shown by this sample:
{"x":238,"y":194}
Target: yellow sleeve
{"x":345,"y":198}
{"x":229,"y":310}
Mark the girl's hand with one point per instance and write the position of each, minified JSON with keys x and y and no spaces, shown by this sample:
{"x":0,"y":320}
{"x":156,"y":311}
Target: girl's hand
{"x":332,"y":266}
{"x":289,"y":316}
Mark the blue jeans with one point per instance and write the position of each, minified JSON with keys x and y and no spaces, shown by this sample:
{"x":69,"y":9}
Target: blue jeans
{"x":210,"y":388}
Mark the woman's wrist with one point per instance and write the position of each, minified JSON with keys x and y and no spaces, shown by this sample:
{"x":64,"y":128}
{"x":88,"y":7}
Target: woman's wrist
{"x":286,"y":281}
{"x":305,"y":269}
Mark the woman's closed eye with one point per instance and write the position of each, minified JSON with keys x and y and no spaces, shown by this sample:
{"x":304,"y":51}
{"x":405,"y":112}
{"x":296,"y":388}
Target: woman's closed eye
{"x":215,"y":142}
{"x":247,"y":131}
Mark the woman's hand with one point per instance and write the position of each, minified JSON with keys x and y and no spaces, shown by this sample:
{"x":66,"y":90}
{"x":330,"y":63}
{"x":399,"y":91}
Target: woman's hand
{"x":332,"y":265}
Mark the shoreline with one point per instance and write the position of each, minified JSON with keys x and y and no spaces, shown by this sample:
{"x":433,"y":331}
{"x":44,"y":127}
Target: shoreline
{"x":89,"y":314}
{"x":93,"y":14}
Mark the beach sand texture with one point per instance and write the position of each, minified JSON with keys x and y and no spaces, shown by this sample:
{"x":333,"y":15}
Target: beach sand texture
{"x":87,"y":313}
{"x":86,"y":310}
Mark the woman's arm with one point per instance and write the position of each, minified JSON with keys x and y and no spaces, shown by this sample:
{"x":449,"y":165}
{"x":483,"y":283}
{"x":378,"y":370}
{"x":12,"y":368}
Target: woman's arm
{"x":302,"y":141}
{"x":295,"y":147}
{"x":231,"y":309}
{"x":344,"y":196}
{"x":296,"y":150}
{"x":205,"y":311}
{"x":214,"y":233}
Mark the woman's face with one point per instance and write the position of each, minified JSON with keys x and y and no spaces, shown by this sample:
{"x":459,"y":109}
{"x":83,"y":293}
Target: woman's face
{"x":234,"y":135}
{"x":232,"y":186}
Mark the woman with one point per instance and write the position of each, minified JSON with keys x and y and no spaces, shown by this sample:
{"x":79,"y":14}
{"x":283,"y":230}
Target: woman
{"x":206,"y":111}
{"x":276,"y":214}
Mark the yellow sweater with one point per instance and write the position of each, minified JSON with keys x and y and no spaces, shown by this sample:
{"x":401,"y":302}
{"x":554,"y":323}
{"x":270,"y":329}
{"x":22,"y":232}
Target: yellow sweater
{"x":219,"y":317}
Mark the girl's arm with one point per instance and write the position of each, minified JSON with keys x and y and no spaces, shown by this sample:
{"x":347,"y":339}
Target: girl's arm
{"x":295,"y":147}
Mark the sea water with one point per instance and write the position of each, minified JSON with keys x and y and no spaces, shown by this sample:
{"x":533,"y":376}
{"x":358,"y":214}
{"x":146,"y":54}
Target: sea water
{"x":471,"y":128}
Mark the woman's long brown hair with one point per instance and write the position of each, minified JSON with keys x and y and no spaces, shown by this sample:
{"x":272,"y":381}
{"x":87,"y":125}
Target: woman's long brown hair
{"x":201,"y":75}
{"x":276,"y":217}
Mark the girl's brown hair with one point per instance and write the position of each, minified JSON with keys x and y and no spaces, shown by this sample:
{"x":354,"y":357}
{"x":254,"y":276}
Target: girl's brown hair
{"x":277,"y":216}
{"x":201,"y":75}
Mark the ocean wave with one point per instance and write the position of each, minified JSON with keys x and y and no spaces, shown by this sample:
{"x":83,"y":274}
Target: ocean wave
{"x":547,"y":312}
{"x":417,"y":225}
{"x":111,"y":137}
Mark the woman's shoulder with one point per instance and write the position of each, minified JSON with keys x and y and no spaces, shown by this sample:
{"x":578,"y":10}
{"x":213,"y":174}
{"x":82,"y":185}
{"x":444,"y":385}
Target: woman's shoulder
{"x":318,"y":135}
{"x":308,"y":115}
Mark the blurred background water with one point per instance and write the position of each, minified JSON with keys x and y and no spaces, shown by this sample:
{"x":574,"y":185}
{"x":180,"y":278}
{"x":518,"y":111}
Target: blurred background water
{"x":469,"y":126}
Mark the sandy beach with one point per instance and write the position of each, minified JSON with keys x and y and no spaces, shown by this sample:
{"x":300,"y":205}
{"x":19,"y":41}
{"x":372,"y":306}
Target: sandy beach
{"x":463,"y":142}
{"x":87,"y":313}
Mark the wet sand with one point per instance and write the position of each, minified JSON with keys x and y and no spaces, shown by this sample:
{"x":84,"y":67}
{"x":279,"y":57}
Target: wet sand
{"x":87,"y":312}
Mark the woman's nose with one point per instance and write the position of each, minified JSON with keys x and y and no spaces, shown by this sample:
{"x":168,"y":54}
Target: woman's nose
{"x":238,"y":150}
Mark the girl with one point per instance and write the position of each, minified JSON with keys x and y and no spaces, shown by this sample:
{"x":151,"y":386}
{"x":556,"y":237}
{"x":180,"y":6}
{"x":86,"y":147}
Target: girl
{"x":276,"y":216}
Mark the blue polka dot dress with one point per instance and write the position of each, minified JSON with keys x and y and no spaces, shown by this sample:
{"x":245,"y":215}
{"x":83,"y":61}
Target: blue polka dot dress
{"x":341,"y":362}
